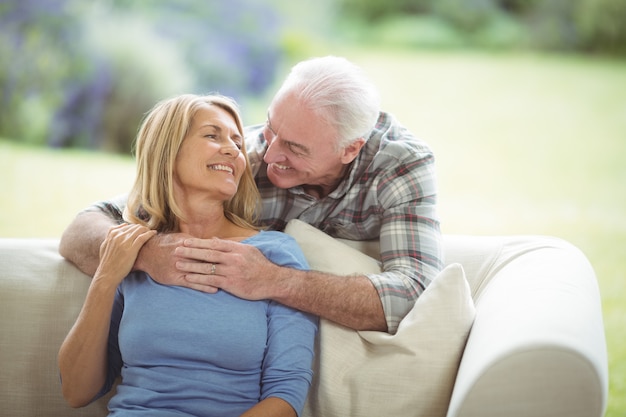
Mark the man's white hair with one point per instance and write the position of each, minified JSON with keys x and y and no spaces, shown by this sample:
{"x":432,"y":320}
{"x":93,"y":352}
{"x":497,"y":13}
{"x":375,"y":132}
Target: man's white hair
{"x":338,"y":91}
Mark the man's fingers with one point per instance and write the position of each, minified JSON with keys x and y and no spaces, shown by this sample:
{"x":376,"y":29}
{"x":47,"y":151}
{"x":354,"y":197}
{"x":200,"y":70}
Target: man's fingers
{"x":199,"y":268}
{"x":201,"y":282}
{"x":202,"y":255}
{"x":200,"y":287}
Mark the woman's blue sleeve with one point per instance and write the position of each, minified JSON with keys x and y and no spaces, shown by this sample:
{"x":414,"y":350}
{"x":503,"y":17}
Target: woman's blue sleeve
{"x":287,"y":369}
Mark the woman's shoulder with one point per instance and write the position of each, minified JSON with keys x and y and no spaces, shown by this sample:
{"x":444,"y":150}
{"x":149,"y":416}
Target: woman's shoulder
{"x":272,"y":236}
{"x":279,"y":247}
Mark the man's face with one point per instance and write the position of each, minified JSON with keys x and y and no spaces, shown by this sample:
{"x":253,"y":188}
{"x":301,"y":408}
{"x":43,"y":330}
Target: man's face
{"x":302,"y":148}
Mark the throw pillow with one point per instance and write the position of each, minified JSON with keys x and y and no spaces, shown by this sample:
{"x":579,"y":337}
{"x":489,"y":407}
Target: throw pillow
{"x":367,"y":373}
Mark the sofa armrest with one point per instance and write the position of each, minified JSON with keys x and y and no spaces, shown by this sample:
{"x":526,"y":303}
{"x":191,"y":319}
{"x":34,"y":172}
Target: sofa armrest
{"x":40,"y":297}
{"x":537,"y":346}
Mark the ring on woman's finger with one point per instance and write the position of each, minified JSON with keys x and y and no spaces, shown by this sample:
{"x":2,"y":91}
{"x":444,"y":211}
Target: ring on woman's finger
{"x":213,"y":269}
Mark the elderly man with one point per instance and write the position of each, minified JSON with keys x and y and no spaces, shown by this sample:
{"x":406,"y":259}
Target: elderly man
{"x":328,"y":156}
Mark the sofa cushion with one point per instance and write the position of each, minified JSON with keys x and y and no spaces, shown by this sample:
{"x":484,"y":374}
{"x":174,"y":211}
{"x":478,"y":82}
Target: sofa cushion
{"x":367,"y":373}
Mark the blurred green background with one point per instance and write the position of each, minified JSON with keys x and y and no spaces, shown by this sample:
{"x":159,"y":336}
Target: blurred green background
{"x":523,"y":102}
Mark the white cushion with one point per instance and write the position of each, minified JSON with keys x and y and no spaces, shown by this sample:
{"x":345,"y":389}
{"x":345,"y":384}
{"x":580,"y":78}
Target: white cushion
{"x":367,"y":373}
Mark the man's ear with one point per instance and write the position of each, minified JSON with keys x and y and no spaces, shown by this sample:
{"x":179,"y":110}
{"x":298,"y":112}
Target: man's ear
{"x":351,"y":151}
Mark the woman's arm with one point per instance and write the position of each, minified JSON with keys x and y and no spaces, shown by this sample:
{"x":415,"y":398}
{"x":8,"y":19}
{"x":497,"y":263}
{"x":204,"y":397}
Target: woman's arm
{"x":271,"y":407}
{"x":83,"y":355}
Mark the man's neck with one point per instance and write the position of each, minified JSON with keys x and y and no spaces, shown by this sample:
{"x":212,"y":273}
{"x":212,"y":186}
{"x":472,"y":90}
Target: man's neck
{"x":320,"y":191}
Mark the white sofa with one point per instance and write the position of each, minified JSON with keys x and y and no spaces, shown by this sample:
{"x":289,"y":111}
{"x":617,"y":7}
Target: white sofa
{"x":525,"y":332}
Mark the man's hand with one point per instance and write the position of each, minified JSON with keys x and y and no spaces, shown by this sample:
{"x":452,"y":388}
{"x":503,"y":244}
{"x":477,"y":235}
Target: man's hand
{"x":240,"y":269}
{"x":157,"y":257}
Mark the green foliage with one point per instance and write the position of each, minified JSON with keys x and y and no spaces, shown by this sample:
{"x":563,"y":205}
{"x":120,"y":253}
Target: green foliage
{"x":376,"y":10}
{"x":552,"y":25}
{"x":602,"y":25}
{"x":32,"y":62}
{"x":82,"y":74}
{"x":501,"y":32}
{"x":142,"y":68}
{"x":561,"y":25}
{"x":433,"y":32}
{"x":414,"y":32}
{"x":34,"y":119}
{"x":92,"y":69}
{"x":466,"y":15}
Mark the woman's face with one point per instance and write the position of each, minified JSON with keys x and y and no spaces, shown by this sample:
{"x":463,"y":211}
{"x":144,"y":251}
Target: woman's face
{"x":209,"y":161}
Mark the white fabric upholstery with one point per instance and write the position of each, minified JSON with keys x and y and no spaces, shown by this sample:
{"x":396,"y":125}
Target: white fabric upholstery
{"x":536,"y":347}
{"x":40,"y":297}
{"x":363,"y":374}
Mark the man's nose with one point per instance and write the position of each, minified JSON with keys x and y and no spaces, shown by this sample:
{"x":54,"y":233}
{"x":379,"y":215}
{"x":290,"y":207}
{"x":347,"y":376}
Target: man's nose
{"x":273,"y":153}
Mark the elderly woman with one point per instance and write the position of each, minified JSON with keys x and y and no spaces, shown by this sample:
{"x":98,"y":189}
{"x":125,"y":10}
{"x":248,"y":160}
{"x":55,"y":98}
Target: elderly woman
{"x":180,"y":351}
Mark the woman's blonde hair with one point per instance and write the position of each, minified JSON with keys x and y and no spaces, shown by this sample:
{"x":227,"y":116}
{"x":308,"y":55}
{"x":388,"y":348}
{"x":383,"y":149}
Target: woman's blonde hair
{"x":151,"y":199}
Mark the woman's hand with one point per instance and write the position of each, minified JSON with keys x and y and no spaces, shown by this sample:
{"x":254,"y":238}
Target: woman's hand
{"x":119,"y":251}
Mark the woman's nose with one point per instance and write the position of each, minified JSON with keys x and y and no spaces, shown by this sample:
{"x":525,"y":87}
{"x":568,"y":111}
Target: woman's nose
{"x":231,"y":149}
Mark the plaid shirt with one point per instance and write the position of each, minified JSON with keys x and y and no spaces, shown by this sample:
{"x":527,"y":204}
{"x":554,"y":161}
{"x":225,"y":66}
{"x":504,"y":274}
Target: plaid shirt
{"x":389,"y":194}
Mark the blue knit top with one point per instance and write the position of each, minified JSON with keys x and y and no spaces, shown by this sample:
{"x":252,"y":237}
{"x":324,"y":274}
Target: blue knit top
{"x":183,"y":352}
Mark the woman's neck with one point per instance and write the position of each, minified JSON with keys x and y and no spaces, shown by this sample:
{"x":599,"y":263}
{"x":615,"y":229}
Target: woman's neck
{"x":206,"y":219}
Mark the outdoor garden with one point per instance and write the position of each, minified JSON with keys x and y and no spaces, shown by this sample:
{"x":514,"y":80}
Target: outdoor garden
{"x":523,"y":103}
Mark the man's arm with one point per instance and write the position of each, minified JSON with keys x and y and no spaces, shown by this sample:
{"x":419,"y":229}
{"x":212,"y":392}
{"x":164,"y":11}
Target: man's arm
{"x":242,"y":270}
{"x":80,"y":242}
{"x":351,"y":301}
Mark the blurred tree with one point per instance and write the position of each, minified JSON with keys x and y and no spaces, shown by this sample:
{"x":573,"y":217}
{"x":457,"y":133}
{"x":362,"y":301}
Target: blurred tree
{"x":552,"y":25}
{"x":38,"y":54}
{"x":376,"y":10}
{"x":231,"y":46}
{"x":94,"y":68}
{"x":563,"y":25}
{"x":602,"y":25}
{"x":83,"y":74}
{"x":78,"y":120}
{"x":467,"y":15}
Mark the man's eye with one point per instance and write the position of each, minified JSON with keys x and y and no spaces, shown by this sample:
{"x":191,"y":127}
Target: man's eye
{"x":296,"y":150}
{"x":268,"y":135}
